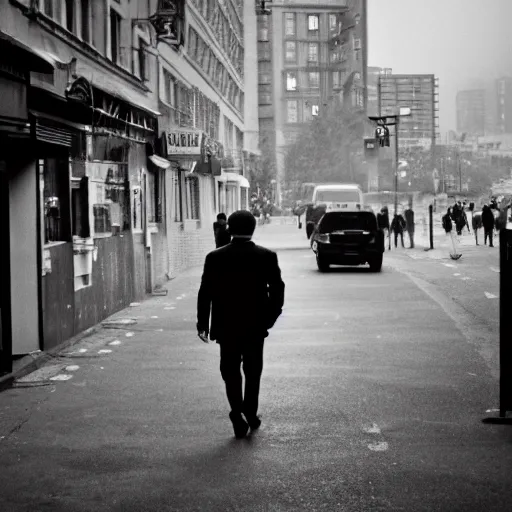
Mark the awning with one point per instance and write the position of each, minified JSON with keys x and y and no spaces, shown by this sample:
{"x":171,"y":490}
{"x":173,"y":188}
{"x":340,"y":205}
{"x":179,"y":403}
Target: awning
{"x":123,"y":94}
{"x":160,"y":162}
{"x":233,"y":177}
{"x":27,"y":57}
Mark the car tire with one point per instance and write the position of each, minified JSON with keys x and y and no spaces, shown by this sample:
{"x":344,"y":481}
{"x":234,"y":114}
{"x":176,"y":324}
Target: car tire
{"x":376,"y":263}
{"x":323,"y":265}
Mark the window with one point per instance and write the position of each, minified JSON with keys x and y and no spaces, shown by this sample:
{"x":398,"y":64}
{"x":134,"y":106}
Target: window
{"x":192,"y":197}
{"x":332,"y":21}
{"x":313,"y":52}
{"x":291,"y":81}
{"x":177,"y":207}
{"x":291,"y":51}
{"x":54,"y":173}
{"x":315,"y":109}
{"x":313,"y":22}
{"x":314,"y":79}
{"x":86,"y":20}
{"x":142,"y":71}
{"x":154,"y":198}
{"x":335,"y":79}
{"x":289,"y":24}
{"x":115,"y":36}
{"x":192,"y":43}
{"x":80,"y":207}
{"x":291,"y":111}
{"x":265,"y":94}
{"x":110,"y":199}
{"x":307,"y":112}
{"x":70,"y":15}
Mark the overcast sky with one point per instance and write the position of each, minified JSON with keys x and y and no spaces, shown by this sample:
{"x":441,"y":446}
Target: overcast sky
{"x":465,"y":43}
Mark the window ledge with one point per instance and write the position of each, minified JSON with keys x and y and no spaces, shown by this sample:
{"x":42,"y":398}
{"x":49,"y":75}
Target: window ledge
{"x":48,"y":245}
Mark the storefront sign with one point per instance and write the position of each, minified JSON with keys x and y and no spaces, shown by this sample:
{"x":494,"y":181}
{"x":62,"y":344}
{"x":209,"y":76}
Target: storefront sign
{"x":183,"y":142}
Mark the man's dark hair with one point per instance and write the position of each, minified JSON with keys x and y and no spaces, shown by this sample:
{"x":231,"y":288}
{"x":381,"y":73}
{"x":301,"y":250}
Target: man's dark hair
{"x":241,"y":223}
{"x":221,"y":216}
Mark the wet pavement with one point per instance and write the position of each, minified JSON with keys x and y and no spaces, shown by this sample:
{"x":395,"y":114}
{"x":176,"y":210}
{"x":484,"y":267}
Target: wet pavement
{"x":373,"y":395}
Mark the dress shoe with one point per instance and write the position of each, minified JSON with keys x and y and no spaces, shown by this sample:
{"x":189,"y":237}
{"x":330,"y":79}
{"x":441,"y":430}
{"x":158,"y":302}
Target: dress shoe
{"x":254,"y":422}
{"x":240,"y":426}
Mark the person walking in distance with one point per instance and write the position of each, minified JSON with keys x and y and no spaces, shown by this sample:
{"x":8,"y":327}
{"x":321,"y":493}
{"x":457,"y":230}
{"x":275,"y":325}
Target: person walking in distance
{"x":409,"y":224}
{"x":383,"y":222}
{"x":220,"y":231}
{"x":448,"y":228}
{"x":397,"y":226}
{"x":488,"y":223}
{"x":240,"y":298}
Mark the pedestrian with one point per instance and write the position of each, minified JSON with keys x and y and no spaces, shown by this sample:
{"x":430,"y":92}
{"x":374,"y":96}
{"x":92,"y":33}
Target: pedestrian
{"x":398,"y":226}
{"x":476,"y":221}
{"x":409,"y":224}
{"x":488,"y":223}
{"x":220,"y":231}
{"x":448,"y":228}
{"x":383,"y":222}
{"x":243,"y":293}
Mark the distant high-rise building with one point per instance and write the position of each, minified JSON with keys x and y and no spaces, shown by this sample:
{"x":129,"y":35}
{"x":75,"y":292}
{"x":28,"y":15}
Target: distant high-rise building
{"x":310,"y":53}
{"x":471,"y":112}
{"x":372,"y":87}
{"x":420,"y":94}
{"x":504,"y":105}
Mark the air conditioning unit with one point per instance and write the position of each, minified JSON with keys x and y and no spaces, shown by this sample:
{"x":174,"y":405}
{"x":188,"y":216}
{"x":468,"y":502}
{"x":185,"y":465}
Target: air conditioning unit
{"x":357,"y":44}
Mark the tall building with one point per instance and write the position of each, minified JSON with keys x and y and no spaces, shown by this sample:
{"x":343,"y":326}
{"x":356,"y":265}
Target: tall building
{"x":504,"y":105}
{"x":420,"y":94}
{"x":471,"y":112}
{"x":373,"y":88}
{"x":310,"y":53}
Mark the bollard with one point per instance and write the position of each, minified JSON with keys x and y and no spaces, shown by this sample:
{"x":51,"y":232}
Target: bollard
{"x":431,"y":225}
{"x":505,"y":237}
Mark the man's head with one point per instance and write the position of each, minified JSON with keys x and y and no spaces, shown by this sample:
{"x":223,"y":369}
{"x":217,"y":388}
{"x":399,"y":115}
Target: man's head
{"x":241,"y":224}
{"x":221,"y":218}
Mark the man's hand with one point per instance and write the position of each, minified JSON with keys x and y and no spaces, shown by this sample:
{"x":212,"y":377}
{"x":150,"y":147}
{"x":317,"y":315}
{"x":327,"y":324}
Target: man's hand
{"x":204,"y":336}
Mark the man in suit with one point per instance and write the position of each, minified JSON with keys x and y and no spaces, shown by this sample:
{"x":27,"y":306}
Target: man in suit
{"x":243,"y":291}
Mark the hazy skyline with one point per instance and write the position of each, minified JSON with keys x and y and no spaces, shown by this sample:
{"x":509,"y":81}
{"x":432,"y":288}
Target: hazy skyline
{"x":465,"y":43}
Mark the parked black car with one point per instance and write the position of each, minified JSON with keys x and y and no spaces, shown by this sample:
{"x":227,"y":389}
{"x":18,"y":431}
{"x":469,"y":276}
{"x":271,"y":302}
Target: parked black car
{"x":348,"y":238}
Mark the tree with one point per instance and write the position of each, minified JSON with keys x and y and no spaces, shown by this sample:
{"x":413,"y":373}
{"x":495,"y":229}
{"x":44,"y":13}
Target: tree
{"x":328,"y":149}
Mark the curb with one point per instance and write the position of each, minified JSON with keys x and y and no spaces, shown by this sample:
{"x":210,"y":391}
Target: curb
{"x":7,"y":381}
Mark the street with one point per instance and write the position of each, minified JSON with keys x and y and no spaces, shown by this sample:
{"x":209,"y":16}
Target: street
{"x":373,"y":392}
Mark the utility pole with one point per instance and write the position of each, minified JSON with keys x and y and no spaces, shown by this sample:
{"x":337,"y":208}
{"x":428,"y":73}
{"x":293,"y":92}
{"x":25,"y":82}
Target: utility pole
{"x":396,"y":163}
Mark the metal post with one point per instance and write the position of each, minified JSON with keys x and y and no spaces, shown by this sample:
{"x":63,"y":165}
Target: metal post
{"x":396,"y":164}
{"x":431,"y":225}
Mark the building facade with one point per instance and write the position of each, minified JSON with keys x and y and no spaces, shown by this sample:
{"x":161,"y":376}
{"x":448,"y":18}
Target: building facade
{"x":471,"y":112}
{"x":121,"y":137}
{"x":310,"y":53}
{"x":374,"y":73}
{"x":504,"y":105}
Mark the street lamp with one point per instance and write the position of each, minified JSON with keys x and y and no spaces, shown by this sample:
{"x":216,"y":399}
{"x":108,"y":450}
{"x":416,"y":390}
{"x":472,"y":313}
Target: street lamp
{"x":392,"y":120}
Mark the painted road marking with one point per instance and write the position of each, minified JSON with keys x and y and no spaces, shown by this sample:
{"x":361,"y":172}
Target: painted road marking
{"x":490,"y":295}
{"x":374,"y":429}
{"x":456,"y":274}
{"x":379,"y":336}
{"x":450,"y":265}
{"x":170,"y":307}
{"x":82,"y":350}
{"x":115,"y":342}
{"x":378,"y":447}
{"x":104,"y":351}
{"x":465,"y":278}
{"x":61,"y":376}
{"x":133,"y":304}
{"x":129,"y":334}
{"x":494,"y":269}
{"x":179,"y":298}
{"x":72,"y":368}
{"x":154,"y":316}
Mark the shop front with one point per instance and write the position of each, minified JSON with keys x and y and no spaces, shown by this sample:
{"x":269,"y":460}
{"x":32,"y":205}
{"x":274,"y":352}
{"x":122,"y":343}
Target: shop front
{"x":20,"y":321}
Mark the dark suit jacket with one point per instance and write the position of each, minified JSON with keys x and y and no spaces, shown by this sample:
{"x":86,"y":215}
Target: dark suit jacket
{"x":243,"y":291}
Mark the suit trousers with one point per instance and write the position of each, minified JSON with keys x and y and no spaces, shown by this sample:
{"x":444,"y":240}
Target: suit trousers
{"x":488,"y":235}
{"x":249,"y":354}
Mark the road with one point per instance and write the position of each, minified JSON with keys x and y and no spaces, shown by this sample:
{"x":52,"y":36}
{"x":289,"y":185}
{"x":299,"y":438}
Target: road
{"x":372,"y":397}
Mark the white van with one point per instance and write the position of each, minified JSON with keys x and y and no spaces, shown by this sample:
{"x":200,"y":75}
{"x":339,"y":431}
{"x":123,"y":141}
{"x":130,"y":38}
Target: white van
{"x":339,"y":196}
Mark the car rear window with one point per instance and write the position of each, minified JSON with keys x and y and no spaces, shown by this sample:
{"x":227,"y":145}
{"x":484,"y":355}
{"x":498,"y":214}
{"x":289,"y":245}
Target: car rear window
{"x":340,"y":221}
{"x":342,"y":196}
